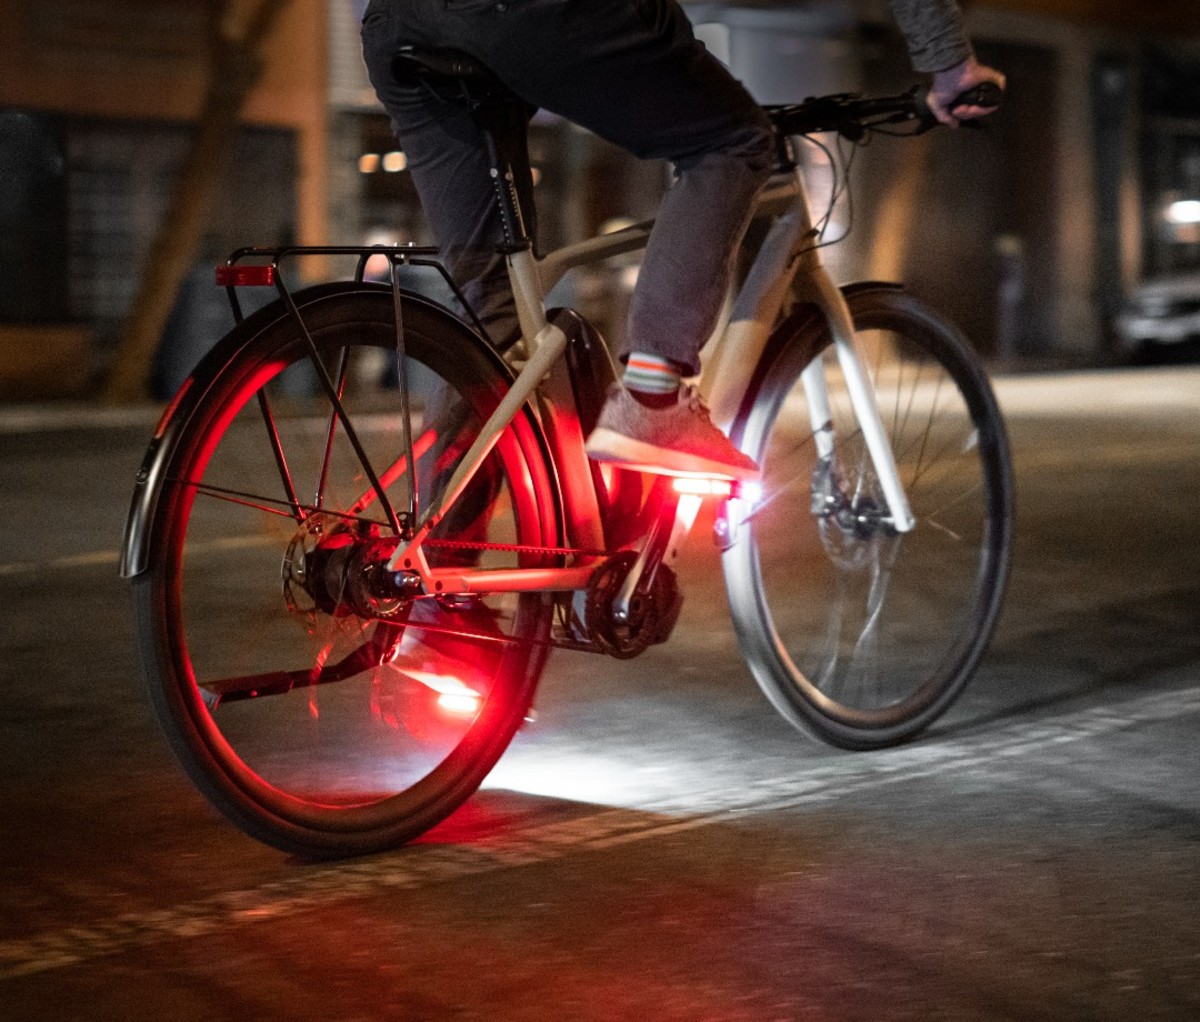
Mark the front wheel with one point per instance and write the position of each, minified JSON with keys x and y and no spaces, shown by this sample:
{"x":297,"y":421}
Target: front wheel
{"x":319,"y":713}
{"x":859,"y":632}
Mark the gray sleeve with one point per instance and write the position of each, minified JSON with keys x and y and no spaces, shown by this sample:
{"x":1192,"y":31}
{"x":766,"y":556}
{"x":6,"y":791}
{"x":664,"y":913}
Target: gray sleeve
{"x":934,"y":31}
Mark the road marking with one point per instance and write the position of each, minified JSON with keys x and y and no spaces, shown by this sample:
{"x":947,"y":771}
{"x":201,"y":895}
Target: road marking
{"x":107,"y":558}
{"x":422,"y":865}
{"x":17,"y":419}
{"x":95,"y":559}
{"x":1115,"y":392}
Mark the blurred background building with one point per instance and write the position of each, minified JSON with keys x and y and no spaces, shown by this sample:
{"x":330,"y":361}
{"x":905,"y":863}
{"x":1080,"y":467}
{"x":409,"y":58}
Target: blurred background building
{"x":1044,"y":237}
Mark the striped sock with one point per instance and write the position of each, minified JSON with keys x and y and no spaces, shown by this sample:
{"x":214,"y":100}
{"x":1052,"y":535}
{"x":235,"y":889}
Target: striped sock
{"x":651,"y":379}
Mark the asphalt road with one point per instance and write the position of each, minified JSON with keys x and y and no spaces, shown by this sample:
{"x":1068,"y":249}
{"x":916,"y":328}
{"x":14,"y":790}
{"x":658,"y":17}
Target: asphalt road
{"x":660,"y":844}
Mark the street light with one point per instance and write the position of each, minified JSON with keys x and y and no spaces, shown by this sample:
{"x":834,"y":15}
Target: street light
{"x":1184,"y":211}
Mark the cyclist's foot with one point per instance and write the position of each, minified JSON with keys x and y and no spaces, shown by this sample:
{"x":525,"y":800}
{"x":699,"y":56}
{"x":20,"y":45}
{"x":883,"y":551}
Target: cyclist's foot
{"x":679,"y":439}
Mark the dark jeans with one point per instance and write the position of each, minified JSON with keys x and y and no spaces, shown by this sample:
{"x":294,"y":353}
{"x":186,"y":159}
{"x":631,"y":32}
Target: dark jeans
{"x":631,"y":72}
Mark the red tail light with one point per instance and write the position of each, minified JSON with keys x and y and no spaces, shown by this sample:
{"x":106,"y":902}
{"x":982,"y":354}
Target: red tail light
{"x":246,"y":276}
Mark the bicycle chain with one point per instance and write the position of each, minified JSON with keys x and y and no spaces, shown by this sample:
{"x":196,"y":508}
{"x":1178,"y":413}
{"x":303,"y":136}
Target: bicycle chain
{"x":464,"y":544}
{"x":515,"y":548}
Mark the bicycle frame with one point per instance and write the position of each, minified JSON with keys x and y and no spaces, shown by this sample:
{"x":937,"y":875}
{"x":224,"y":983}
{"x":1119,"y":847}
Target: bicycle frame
{"x":787,"y":268}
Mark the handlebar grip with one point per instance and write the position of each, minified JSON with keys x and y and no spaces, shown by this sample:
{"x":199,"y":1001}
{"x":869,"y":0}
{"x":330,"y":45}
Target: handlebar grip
{"x":986,"y":94}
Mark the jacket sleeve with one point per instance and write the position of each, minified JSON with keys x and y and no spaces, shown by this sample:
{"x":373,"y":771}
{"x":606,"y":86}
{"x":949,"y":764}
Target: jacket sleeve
{"x":934,"y":31}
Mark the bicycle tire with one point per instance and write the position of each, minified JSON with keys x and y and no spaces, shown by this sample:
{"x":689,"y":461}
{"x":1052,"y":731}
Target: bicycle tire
{"x":852,"y":631}
{"x":370,"y":761}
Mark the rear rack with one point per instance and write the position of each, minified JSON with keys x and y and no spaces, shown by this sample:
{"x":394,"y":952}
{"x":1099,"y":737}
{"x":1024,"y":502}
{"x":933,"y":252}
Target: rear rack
{"x":264,"y":269}
{"x":260,"y":267}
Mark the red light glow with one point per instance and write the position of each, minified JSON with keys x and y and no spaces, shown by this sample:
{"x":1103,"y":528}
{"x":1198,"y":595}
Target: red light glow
{"x":454,"y":696}
{"x":169,"y":411}
{"x":462,"y":705}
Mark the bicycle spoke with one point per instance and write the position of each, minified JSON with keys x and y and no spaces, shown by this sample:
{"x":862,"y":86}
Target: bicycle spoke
{"x":423,"y":444}
{"x":277,"y":449}
{"x":343,"y":360}
{"x":258,"y":502}
{"x":862,"y":633}
{"x":932,"y":516}
{"x":335,"y":400}
{"x":925,"y":434}
{"x":274,"y":527}
{"x":900,"y":425}
{"x":782,"y":487}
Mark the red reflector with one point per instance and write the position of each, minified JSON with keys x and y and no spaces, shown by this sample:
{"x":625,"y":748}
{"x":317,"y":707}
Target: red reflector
{"x":246,"y":276}
{"x":701,"y":487}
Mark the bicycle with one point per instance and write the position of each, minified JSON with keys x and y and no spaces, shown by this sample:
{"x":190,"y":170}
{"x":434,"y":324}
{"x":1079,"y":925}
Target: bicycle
{"x":359,"y":531}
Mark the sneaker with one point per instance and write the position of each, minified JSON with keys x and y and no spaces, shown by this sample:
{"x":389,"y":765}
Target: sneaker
{"x":677,"y":440}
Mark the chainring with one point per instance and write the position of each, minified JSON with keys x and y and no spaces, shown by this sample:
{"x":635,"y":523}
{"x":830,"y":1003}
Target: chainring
{"x":652,"y":614}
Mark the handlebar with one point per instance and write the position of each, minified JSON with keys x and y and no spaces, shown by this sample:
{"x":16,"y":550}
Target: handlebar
{"x":853,"y":116}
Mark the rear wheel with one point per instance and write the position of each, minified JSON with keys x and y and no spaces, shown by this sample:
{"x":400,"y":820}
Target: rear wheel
{"x":864,"y":634}
{"x":321,"y":713}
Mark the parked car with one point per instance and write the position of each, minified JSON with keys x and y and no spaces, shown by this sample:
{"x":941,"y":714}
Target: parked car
{"x":1162,"y":313}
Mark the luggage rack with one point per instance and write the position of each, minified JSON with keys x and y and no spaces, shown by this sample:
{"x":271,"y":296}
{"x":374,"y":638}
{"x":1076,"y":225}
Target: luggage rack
{"x":263,"y":270}
{"x":260,"y":267}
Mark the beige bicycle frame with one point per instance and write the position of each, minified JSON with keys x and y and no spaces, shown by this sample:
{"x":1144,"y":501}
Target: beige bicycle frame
{"x":787,"y":268}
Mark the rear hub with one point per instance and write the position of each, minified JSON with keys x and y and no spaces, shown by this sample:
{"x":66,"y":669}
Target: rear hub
{"x":339,"y":568}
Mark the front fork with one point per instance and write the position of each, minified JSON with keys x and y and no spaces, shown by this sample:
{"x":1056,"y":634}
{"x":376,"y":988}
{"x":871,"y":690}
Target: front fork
{"x":832,"y":303}
{"x":815,"y":287}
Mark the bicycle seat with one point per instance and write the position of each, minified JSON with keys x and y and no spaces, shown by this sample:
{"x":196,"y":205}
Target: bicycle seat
{"x":498,"y":111}
{"x":446,"y":65}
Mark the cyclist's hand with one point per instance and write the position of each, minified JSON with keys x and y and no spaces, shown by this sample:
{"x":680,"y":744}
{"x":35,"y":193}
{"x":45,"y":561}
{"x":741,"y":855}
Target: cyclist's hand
{"x":948,"y":85}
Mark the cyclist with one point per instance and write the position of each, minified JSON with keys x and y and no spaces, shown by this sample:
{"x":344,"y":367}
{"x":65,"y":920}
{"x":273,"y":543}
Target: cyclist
{"x":632,"y":72}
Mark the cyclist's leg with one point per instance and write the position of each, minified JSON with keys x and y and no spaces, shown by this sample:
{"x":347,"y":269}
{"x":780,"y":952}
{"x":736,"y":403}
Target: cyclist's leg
{"x":448,"y":160}
{"x":633,"y":73}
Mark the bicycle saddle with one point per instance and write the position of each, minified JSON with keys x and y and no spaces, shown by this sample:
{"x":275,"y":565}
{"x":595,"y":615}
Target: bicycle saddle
{"x":449,"y":65}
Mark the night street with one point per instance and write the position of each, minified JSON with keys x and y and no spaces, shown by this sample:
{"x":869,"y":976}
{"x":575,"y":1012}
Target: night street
{"x":659,"y":844}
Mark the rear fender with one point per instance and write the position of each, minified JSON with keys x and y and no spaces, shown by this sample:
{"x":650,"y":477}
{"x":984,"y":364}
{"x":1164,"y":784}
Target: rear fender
{"x":137,"y":544}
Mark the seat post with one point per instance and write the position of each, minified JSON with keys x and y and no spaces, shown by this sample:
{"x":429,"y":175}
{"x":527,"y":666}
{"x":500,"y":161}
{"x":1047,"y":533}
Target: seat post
{"x":502,"y":117}
{"x":504,"y":125}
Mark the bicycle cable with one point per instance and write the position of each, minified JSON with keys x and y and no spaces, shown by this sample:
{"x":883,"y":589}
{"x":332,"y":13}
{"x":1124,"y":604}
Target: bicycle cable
{"x":840,"y":167}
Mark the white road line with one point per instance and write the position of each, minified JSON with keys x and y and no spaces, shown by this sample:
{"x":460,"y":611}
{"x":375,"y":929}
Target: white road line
{"x":425,"y":865}
{"x":1126,"y":455}
{"x":107,"y":558}
{"x":16,"y":419}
